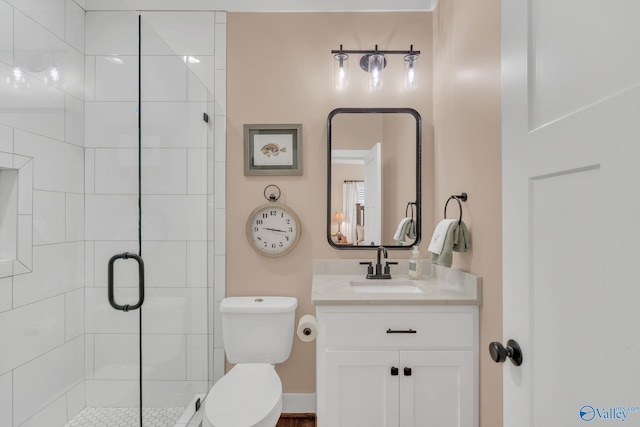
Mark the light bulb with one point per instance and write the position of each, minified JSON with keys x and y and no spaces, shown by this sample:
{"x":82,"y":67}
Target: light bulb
{"x":341,"y":71}
{"x":410,"y":71}
{"x":376,"y":67}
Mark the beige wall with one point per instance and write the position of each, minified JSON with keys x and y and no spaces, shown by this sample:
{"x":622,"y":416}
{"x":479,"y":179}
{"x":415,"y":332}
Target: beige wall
{"x":279,"y":70}
{"x":467,"y":158}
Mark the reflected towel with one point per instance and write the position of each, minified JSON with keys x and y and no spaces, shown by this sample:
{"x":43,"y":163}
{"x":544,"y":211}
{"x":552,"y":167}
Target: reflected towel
{"x":437,"y":241}
{"x":406,"y":229}
{"x":456,"y":239}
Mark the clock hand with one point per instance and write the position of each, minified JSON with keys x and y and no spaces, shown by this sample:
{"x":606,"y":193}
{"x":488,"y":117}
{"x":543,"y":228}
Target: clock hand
{"x":274,"y":229}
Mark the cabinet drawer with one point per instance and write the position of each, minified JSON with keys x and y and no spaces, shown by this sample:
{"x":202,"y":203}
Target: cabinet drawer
{"x":384,"y":330}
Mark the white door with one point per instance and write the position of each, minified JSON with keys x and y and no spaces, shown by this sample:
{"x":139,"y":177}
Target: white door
{"x":439,"y":389}
{"x":571,"y":211}
{"x":373,"y":195}
{"x":361,"y":389}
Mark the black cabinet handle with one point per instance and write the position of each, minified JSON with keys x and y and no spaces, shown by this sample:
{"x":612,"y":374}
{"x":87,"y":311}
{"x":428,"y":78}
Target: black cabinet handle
{"x":499,"y":353}
{"x":401,"y":331}
{"x":407,"y":372}
{"x":394,"y":371}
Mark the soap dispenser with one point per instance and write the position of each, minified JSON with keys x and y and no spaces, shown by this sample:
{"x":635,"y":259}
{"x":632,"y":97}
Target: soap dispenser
{"x":415,"y":264}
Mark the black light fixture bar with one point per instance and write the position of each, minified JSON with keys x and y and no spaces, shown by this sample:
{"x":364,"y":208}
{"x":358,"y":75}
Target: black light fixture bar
{"x":384,"y":52}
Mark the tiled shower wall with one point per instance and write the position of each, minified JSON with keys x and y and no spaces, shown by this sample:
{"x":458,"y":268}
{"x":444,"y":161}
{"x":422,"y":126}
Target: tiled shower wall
{"x":41,"y":133}
{"x":74,"y":209}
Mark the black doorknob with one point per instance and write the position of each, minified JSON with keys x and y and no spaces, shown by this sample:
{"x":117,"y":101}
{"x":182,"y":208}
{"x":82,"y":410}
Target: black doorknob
{"x":499,"y":353}
{"x":394,"y":371}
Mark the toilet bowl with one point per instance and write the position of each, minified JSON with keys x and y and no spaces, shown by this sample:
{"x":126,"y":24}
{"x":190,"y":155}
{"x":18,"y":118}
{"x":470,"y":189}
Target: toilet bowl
{"x":250,"y":395}
{"x":257,"y":333}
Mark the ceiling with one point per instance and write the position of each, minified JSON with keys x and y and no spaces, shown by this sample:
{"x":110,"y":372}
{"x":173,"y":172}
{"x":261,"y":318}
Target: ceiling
{"x":266,"y":6}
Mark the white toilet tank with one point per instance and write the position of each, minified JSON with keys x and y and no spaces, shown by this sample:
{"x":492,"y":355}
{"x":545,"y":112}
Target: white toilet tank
{"x":258,"y":329}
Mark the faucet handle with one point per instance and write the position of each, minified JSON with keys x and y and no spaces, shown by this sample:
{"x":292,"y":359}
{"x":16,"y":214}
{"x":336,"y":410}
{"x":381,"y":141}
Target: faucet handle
{"x":387,"y":269}
{"x":370,"y":266}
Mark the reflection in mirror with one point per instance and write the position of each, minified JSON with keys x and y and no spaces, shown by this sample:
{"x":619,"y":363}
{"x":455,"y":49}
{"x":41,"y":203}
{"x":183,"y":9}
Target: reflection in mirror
{"x":374,"y":158}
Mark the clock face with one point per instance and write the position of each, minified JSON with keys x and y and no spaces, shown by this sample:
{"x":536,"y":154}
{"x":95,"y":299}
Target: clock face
{"x":273,"y":230}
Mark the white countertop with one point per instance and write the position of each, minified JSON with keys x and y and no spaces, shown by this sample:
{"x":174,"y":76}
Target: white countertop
{"x":442,"y":286}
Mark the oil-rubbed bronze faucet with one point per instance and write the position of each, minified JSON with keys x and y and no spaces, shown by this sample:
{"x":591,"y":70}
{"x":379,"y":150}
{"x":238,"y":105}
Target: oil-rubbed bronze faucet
{"x":379,"y":274}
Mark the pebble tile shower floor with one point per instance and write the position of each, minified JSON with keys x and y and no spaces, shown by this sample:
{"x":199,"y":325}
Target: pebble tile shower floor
{"x":126,"y":417}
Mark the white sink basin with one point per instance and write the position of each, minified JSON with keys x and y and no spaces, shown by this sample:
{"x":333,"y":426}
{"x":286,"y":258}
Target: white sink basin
{"x":382,"y":286}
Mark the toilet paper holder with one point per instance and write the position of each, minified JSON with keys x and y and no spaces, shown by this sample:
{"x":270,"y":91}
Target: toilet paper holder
{"x":307,"y":329}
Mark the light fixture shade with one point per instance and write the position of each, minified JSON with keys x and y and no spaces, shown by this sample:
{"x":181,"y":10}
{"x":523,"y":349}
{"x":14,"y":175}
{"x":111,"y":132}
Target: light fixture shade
{"x":341,"y":70}
{"x":410,"y":71}
{"x":339,"y":217}
{"x":376,"y":67}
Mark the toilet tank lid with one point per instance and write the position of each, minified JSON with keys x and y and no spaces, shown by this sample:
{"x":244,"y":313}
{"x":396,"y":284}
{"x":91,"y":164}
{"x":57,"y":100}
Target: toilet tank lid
{"x":258,"y":305}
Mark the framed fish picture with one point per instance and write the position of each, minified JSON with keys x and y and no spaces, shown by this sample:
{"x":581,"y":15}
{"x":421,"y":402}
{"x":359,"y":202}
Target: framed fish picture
{"x":273,"y":149}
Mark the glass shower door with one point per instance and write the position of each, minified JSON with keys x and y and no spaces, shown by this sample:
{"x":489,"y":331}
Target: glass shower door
{"x":149,"y":180}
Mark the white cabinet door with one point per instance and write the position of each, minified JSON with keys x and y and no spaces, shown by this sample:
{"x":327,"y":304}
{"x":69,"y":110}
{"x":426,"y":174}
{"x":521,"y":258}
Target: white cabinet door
{"x":360,"y":389}
{"x":439,"y":389}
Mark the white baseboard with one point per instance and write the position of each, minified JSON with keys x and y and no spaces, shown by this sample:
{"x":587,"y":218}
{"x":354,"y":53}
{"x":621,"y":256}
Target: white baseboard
{"x":298,"y":403}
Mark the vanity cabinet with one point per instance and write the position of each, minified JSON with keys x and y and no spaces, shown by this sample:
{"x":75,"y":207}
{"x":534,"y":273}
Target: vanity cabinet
{"x":397,"y":366}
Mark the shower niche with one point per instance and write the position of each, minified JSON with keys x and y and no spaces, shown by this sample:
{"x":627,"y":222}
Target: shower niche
{"x":16,"y":193}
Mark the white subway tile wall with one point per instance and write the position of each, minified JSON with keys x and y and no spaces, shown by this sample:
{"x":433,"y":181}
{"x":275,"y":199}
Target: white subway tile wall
{"x":111,"y":33}
{"x":52,"y":414}
{"x":6,"y":399}
{"x":6,"y":33}
{"x":68,"y":123}
{"x":46,"y":379}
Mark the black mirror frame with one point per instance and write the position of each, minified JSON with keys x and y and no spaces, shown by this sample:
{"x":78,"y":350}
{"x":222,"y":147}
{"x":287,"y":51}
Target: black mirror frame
{"x":418,"y":199}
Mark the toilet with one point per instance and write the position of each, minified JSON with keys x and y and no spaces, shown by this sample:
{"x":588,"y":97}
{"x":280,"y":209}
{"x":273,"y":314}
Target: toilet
{"x":257,"y":333}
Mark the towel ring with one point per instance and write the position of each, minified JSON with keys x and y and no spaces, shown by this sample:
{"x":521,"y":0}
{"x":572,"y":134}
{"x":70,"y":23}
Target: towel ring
{"x":458,"y":198}
{"x":406,"y":211}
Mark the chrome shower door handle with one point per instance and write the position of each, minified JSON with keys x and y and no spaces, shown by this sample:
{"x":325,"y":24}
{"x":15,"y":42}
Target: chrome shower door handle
{"x":112,"y":300}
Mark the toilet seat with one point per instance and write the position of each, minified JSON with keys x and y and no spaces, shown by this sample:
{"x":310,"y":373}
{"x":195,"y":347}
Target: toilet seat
{"x":249,"y":395}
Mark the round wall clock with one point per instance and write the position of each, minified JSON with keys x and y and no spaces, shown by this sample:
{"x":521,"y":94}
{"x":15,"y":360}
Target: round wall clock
{"x":273,"y":229}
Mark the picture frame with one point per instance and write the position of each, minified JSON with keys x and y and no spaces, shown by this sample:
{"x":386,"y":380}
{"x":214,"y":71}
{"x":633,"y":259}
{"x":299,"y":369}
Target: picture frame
{"x":272,"y":149}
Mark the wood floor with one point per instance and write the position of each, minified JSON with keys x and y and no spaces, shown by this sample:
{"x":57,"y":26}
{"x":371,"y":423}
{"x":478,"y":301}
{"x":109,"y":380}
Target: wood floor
{"x":297,"y":420}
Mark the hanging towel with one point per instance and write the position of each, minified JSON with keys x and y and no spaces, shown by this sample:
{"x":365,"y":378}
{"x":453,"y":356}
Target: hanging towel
{"x":406,"y":229}
{"x":437,"y":241}
{"x":457,"y":239}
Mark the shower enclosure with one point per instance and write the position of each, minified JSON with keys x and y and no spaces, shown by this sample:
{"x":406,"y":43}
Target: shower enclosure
{"x":149,"y":168}
{"x":112,"y":141}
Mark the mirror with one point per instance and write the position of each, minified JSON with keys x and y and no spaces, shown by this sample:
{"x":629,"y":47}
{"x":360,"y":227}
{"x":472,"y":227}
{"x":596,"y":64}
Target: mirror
{"x":374,"y":178}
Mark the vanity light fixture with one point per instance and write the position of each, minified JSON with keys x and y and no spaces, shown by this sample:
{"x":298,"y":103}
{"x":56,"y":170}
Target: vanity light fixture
{"x":373,"y":62}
